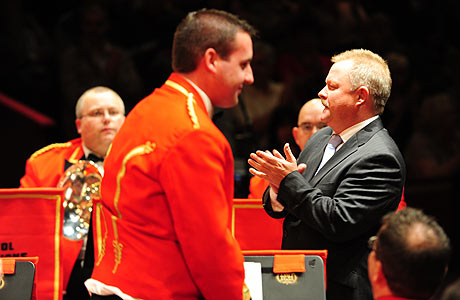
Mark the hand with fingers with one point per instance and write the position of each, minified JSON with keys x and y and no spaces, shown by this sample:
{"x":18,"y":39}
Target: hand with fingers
{"x":273,"y":167}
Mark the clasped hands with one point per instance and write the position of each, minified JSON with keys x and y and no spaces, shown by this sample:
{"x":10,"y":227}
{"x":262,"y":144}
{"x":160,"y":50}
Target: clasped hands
{"x":273,"y":167}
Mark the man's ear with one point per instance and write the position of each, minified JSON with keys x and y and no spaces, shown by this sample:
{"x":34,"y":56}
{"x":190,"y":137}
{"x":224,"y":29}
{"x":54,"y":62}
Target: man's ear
{"x":210,"y":59}
{"x":380,"y":276}
{"x":295,"y":132}
{"x":78,"y":124}
{"x":363,"y":95}
{"x":375,"y":269}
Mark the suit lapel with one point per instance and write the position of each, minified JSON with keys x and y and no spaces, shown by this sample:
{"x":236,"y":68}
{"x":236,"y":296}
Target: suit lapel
{"x":71,"y":162}
{"x":73,"y":159}
{"x":313,"y":152}
{"x":346,"y":150}
{"x":351,"y":146}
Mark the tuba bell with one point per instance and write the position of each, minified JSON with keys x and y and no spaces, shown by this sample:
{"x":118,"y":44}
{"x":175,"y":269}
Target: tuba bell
{"x":81,"y":183}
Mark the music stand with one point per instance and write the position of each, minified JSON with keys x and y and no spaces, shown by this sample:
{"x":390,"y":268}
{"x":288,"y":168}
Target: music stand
{"x":18,"y":279}
{"x":309,"y":284}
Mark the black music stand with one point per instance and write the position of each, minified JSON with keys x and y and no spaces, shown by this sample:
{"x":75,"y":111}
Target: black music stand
{"x":308,"y":285}
{"x":19,"y":285}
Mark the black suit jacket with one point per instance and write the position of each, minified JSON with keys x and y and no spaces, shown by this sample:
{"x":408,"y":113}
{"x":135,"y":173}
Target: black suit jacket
{"x":341,"y":207}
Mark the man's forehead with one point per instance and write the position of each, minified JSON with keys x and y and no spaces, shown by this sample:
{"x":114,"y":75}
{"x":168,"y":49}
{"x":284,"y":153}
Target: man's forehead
{"x":101,"y":101}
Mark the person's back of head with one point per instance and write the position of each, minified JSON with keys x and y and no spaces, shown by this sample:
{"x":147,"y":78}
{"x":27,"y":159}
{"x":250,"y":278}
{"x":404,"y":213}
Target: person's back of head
{"x":414,"y":252}
{"x":203,"y":29}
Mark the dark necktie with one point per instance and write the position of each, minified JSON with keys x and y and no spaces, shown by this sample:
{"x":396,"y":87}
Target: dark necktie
{"x":94,"y":158}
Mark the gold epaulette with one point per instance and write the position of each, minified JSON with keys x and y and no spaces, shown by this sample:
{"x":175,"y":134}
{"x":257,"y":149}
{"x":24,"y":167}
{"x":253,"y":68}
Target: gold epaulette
{"x":49,"y":147}
{"x":190,"y":102}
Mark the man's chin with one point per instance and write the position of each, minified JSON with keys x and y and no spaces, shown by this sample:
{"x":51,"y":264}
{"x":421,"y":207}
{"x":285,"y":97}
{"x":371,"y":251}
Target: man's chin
{"x":326,"y":116}
{"x":227,"y":103}
{"x":108,"y":134}
{"x":106,"y":139}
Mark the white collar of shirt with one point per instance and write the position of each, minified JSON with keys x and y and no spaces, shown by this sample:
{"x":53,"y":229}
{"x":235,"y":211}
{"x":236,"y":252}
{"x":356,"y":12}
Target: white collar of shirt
{"x":87,"y":151}
{"x":206,"y":100}
{"x":352,"y":130}
{"x":100,"y":164}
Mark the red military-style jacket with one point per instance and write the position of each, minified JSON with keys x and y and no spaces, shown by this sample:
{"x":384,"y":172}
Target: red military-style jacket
{"x":44,"y":168}
{"x":163,"y":227}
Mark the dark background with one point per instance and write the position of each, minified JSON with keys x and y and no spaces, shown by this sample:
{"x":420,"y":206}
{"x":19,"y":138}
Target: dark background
{"x":52,"y":51}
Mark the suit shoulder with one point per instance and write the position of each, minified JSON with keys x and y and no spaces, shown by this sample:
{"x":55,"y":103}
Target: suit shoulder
{"x":52,"y":147}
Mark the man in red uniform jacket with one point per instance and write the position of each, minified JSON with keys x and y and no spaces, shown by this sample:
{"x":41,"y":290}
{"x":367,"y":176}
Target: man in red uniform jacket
{"x":165,"y":214}
{"x":99,"y":115}
{"x":409,"y":256}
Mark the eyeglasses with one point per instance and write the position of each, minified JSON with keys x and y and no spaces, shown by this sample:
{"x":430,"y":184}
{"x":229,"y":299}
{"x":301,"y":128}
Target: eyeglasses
{"x":100,"y":113}
{"x":372,"y":242}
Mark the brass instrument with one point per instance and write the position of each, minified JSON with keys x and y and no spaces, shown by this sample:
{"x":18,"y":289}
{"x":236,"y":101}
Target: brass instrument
{"x":81,"y":183}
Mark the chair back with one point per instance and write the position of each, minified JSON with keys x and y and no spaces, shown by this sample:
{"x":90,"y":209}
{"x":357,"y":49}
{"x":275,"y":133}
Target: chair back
{"x":253,"y":228}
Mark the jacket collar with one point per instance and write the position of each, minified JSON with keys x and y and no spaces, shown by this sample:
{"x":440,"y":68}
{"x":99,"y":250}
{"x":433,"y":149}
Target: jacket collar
{"x":184,"y":83}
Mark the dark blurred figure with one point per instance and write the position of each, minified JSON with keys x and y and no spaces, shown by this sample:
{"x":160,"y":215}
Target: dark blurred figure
{"x":93,"y":60}
{"x":377,"y":33}
{"x":145,"y":29}
{"x":301,"y":67}
{"x":262,"y":98}
{"x":282,"y":121}
{"x":27,"y":76}
{"x":247,"y":125}
{"x":401,"y":111}
{"x":345,"y":18}
{"x":433,"y":164}
{"x":26,"y":56}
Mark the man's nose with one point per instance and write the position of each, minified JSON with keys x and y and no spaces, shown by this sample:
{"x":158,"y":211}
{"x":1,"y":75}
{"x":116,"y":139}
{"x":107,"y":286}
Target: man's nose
{"x":322,"y":94}
{"x":249,"y":77}
{"x":107,"y":116}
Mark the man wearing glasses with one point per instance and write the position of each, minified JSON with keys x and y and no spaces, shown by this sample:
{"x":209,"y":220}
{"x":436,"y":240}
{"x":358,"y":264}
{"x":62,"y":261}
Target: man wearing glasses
{"x":100,"y":112}
{"x":308,"y":122}
{"x":409,"y":256}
